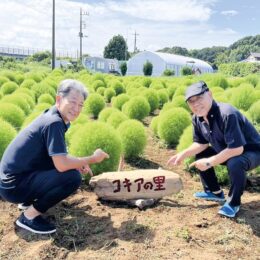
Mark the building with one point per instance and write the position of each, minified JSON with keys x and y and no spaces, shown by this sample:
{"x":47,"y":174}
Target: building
{"x":253,"y":57}
{"x":98,"y":64}
{"x":162,"y":61}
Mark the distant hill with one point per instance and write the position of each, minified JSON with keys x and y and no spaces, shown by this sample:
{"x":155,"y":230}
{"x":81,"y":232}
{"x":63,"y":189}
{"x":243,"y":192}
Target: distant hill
{"x":217,"y":55}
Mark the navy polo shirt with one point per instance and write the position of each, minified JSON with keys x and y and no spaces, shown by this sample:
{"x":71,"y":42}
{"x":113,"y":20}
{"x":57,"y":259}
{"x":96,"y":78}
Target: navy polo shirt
{"x":227,"y":128}
{"x":34,"y":146}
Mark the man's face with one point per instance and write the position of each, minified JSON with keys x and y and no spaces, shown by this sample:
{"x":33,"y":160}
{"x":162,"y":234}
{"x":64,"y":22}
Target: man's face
{"x":70,"y":106}
{"x":201,"y":104}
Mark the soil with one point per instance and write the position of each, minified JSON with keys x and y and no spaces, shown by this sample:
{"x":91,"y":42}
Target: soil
{"x":177,"y":227}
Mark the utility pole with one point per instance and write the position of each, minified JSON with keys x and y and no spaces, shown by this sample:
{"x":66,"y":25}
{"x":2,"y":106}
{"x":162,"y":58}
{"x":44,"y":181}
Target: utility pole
{"x":81,"y":35}
{"x":135,"y":48}
{"x":53,"y":36}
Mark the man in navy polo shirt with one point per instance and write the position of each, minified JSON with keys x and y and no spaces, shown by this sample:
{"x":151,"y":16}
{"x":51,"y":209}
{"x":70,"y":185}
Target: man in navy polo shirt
{"x":36,"y":169}
{"x":221,"y":135}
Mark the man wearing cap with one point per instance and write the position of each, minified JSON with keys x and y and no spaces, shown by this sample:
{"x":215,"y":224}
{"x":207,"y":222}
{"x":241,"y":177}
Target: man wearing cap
{"x":221,"y":135}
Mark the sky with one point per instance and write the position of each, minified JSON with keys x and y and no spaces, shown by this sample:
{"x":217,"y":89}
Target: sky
{"x":193,"y":24}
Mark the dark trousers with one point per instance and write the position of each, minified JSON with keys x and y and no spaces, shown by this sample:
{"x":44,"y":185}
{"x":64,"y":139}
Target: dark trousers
{"x":237,"y":167}
{"x":42,"y":189}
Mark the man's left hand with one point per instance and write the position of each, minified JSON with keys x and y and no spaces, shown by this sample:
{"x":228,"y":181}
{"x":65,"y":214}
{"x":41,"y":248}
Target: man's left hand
{"x":202,"y":164}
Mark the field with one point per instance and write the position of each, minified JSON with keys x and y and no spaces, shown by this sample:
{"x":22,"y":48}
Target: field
{"x":178,"y":226}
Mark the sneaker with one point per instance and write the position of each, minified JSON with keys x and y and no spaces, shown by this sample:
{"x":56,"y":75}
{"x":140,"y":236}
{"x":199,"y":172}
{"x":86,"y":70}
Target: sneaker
{"x":37,"y":225}
{"x":207,"y":195}
{"x":228,"y":210}
{"x":23,"y":206}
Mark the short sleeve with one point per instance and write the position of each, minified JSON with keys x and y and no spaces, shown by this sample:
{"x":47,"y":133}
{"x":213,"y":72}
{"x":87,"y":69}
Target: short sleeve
{"x":233,"y":135}
{"x":54,"y":138}
{"x":197,"y":136}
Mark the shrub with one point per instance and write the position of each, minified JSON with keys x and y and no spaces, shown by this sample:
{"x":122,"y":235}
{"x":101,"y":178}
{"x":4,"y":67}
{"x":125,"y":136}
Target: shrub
{"x":163,"y":97}
{"x":94,"y":104}
{"x":133,"y":138}
{"x":186,"y":70}
{"x":146,"y":82}
{"x":156,"y":85}
{"x":172,"y":123}
{"x":120,"y":100}
{"x":186,"y":139}
{"x":252,"y":79}
{"x":108,"y":94}
{"x":171,"y":90}
{"x":19,"y":78}
{"x":168,"y":73}
{"x":105,"y":113}
{"x":101,"y":91}
{"x":9,"y":87}
{"x":46,"y":98}
{"x":8,"y":74}
{"x":95,"y":135}
{"x":254,"y":112}
{"x":3,"y":80}
{"x":41,"y":107}
{"x":116,"y":118}
{"x":152,"y":98}
{"x":18,"y":100}
{"x":219,"y":81}
{"x":7,"y":133}
{"x":30,"y":118}
{"x":243,"y":97}
{"x":179,"y":101}
{"x":180,"y":91}
{"x":123,"y":68}
{"x":97,"y":84}
{"x":12,"y":114}
{"x":117,"y":86}
{"x":148,"y":68}
{"x":43,"y":88}
{"x":136,"y":108}
{"x":154,"y":125}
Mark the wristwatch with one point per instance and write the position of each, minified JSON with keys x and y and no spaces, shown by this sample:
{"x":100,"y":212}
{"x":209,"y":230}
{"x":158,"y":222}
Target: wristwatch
{"x":208,"y":164}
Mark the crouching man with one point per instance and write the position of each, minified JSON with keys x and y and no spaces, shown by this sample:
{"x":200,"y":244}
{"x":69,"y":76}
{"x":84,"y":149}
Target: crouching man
{"x":221,"y":135}
{"x":36,"y":169}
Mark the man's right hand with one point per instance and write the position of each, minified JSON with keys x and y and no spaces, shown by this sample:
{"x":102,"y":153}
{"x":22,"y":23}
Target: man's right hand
{"x":99,"y":155}
{"x":176,"y":159}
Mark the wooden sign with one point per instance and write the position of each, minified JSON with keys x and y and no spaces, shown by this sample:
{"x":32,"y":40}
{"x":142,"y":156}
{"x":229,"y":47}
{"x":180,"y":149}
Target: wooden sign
{"x":136,"y":184}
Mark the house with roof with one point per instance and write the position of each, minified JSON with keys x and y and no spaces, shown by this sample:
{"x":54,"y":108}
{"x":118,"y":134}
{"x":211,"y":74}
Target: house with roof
{"x":162,"y":61}
{"x":253,"y":57}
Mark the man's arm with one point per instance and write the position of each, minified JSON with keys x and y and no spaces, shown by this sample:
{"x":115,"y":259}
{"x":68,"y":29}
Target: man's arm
{"x":67,"y":162}
{"x":223,"y":156}
{"x":192,"y":150}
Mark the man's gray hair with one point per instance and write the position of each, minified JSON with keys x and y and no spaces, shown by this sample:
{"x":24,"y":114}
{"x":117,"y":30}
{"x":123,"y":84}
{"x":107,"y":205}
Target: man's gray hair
{"x":67,"y":85}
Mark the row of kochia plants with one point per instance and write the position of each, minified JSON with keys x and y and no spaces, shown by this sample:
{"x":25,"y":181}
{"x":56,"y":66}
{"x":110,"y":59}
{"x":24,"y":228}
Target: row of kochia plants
{"x":114,"y":113}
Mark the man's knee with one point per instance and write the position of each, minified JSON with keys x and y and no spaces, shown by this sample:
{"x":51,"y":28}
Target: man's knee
{"x":236,"y":164}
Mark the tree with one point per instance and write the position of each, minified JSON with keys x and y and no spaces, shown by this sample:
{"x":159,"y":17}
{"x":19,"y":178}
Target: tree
{"x":186,"y":70}
{"x":168,"y":73}
{"x":176,"y":50}
{"x":116,"y":49}
{"x":123,"y":68}
{"x":148,"y":68}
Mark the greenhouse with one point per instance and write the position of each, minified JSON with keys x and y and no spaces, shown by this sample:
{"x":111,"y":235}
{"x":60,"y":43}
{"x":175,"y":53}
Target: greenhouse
{"x":162,"y":61}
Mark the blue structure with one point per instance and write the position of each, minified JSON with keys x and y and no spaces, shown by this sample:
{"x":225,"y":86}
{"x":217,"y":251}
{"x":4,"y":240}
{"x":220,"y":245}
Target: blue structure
{"x":162,"y":61}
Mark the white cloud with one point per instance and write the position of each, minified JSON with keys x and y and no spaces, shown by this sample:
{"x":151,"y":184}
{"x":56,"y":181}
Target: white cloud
{"x":159,"y":23}
{"x":230,"y":12}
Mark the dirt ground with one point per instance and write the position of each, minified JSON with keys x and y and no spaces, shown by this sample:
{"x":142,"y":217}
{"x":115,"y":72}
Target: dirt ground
{"x":178,"y":227}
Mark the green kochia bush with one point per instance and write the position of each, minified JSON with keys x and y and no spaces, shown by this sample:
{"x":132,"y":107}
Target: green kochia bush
{"x":152,"y":98}
{"x":106,"y":113}
{"x":116,"y":119}
{"x":95,"y":135}
{"x":254,"y":112}
{"x":3,"y":80}
{"x":94,"y":104}
{"x":172,"y":123}
{"x":154,"y":125}
{"x":117,"y":86}
{"x":243,"y":96}
{"x":18,"y":100}
{"x":12,"y":114}
{"x":7,"y":133}
{"x":46,"y":98}
{"x":163,"y":97}
{"x":98,"y":84}
{"x":28,"y":83}
{"x":136,"y":108}
{"x":120,"y":100}
{"x":9,"y":87}
{"x":108,"y":94}
{"x":133,"y":137}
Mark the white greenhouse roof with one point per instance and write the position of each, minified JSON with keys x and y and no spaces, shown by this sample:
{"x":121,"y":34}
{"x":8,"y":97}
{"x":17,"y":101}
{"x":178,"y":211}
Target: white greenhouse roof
{"x":181,"y":60}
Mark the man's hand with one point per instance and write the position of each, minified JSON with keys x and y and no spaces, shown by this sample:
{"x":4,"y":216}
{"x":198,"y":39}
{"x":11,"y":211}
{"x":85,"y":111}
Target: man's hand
{"x":176,"y":159}
{"x":202,"y":164}
{"x":86,"y":170}
{"x":100,"y":155}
